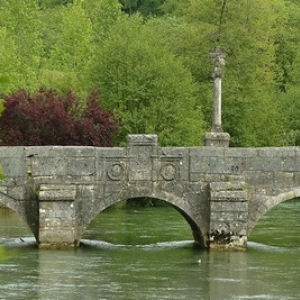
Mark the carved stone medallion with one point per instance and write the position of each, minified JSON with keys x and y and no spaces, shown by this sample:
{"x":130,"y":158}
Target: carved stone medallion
{"x":168,"y":171}
{"x":115,"y":171}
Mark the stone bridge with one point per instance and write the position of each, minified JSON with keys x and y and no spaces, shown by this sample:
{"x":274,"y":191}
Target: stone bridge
{"x":222,"y":192}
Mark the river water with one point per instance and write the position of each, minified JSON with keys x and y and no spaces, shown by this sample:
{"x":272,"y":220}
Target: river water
{"x":148,"y":253}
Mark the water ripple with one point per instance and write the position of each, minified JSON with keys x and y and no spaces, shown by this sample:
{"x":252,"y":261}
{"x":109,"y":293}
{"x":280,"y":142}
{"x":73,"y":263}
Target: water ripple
{"x":160,"y":245}
{"x":270,"y":248}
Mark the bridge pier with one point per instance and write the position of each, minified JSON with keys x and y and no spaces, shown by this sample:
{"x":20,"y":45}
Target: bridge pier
{"x":228,"y":215}
{"x":57,"y":222}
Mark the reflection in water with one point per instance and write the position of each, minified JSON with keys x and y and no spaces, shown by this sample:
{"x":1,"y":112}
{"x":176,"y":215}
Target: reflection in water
{"x":149,"y":254}
{"x":57,"y":276}
{"x":121,"y":272}
{"x":227,"y":274}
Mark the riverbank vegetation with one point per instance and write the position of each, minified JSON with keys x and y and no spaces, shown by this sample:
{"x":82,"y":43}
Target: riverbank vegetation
{"x":149,"y":61}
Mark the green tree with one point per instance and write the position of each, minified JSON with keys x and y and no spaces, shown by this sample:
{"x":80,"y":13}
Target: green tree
{"x":174,"y":7}
{"x":288,"y":61}
{"x":72,"y":54}
{"x":51,"y":28}
{"x":150,"y":89}
{"x":9,"y":62}
{"x":144,"y":7}
{"x":21,"y":21}
{"x":103,"y":14}
{"x":46,"y":4}
{"x":290,"y":105}
{"x":247,"y":31}
{"x":129,"y":6}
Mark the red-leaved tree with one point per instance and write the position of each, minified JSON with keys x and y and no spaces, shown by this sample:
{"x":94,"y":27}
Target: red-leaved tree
{"x":49,"y":118}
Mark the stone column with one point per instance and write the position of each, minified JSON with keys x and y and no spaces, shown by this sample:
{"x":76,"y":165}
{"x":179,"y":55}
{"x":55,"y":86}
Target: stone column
{"x":217,"y":137}
{"x":217,"y":115}
{"x":57,"y":224}
{"x":228,"y":215}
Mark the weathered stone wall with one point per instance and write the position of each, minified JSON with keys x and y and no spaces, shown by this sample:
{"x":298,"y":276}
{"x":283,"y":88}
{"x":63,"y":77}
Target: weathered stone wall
{"x":13,"y":191}
{"x":222,"y":192}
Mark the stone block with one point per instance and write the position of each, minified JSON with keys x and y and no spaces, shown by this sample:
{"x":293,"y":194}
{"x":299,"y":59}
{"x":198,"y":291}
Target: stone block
{"x":106,"y":153}
{"x":173,"y":187}
{"x":56,"y":237}
{"x":216,"y":206}
{"x":139,"y":189}
{"x":81,"y":166}
{"x":86,"y":192}
{"x":57,"y":192}
{"x":12,"y":152}
{"x":200,"y":164}
{"x":283,"y":179}
{"x":228,"y":186}
{"x":218,"y":165}
{"x":17,"y":192}
{"x":208,"y":151}
{"x":260,"y":179}
{"x":235,"y":165}
{"x":288,"y":163}
{"x":141,"y":139}
{"x":78,"y":151}
{"x":216,"y":139}
{"x":273,"y":164}
{"x":297,"y":178}
{"x":228,"y":196}
{"x":255,"y":163}
{"x":49,"y":166}
{"x":280,"y":151}
{"x":14,"y":166}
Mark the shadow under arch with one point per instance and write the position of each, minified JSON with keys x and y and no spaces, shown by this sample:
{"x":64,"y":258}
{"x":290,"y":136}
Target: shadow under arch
{"x":174,"y":202}
{"x":19,"y":208}
{"x":12,"y":204}
{"x":270,"y":203}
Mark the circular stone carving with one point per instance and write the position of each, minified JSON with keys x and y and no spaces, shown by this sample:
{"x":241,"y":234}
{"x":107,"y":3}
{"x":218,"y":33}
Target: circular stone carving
{"x":115,"y":171}
{"x":168,"y":171}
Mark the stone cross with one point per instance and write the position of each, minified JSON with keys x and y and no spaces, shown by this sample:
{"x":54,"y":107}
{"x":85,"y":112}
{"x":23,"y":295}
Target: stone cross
{"x":218,"y":58}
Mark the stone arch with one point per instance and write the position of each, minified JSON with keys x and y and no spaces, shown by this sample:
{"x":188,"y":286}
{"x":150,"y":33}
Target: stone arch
{"x":183,"y":207}
{"x":18,"y":207}
{"x":269,"y":203}
{"x":12,"y":204}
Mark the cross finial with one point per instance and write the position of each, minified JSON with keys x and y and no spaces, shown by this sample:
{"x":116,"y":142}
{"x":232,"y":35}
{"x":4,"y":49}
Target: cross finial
{"x":217,"y":56}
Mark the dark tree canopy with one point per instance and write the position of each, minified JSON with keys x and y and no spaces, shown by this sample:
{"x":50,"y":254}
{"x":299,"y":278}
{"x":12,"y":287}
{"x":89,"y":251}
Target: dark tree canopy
{"x":48,"y":118}
{"x":145,"y":7}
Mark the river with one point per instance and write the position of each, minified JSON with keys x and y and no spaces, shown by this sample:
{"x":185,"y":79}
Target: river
{"x":147,"y":253}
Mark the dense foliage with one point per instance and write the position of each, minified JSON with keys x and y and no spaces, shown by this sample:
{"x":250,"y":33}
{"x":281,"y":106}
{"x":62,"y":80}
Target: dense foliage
{"x":150,"y":61}
{"x":47,"y":118}
{"x":149,"y":87}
